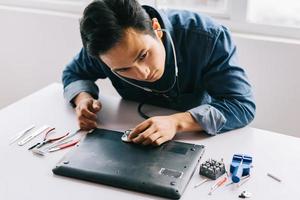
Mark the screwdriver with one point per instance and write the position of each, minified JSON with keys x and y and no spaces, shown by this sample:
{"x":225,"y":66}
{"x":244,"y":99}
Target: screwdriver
{"x":217,"y":185}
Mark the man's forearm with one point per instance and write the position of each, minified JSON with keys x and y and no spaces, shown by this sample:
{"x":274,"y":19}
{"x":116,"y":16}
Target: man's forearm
{"x":185,"y":122}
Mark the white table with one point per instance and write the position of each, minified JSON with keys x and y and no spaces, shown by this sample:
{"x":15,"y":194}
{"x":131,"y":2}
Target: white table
{"x":26,"y":176}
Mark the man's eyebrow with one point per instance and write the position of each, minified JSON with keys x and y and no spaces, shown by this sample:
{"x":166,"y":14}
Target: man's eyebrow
{"x":138,"y":56}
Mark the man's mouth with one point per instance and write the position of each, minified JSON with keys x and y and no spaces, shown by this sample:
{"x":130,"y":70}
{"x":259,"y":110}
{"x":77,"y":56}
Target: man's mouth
{"x":152,"y":76}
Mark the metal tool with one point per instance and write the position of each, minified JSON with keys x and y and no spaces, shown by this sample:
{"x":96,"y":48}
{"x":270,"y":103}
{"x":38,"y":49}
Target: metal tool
{"x":21,"y":134}
{"x":47,"y":140}
{"x":202,"y":182}
{"x":42,"y":153}
{"x":33,"y":135}
{"x":124,"y":137}
{"x":247,"y":178}
{"x":63,"y":146}
{"x":217,"y":185}
{"x":243,"y":178}
{"x":274,"y":177}
{"x":240,"y":166}
{"x":63,"y":139}
{"x":212,"y":169}
{"x":54,"y":144}
{"x":226,"y":172}
{"x":245,"y":194}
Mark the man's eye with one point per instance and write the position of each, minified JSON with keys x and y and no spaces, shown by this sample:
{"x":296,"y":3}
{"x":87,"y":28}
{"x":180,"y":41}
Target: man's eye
{"x":122,"y":70}
{"x":143,"y":56}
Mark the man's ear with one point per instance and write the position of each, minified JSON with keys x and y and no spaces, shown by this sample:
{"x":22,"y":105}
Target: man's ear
{"x":157,"y":28}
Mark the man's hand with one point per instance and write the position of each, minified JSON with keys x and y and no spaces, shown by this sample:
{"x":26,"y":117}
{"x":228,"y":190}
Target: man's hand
{"x":155,"y":131}
{"x":86,"y":111}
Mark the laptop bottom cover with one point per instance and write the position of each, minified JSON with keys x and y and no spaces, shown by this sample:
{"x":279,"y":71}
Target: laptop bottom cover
{"x":103,"y":157}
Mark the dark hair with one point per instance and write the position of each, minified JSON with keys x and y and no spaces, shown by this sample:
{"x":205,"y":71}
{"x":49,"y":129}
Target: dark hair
{"x":104,"y":22}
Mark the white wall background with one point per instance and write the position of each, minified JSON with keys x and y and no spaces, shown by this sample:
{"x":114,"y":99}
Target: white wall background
{"x":36,"y":44}
{"x":34,"y":49}
{"x":273,"y":68}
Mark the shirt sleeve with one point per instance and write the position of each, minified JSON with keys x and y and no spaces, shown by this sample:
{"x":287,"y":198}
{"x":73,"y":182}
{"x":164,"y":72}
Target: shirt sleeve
{"x":232,"y":104}
{"x":80,"y":76}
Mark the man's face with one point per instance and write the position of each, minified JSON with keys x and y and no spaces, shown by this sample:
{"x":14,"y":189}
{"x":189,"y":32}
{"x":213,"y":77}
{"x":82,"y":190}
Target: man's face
{"x":137,"y":56}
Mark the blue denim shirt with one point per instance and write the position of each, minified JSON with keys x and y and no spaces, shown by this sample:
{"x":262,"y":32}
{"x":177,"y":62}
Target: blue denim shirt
{"x":212,"y":86}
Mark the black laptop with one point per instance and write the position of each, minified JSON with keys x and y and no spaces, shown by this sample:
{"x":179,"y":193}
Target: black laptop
{"x":103,"y":157}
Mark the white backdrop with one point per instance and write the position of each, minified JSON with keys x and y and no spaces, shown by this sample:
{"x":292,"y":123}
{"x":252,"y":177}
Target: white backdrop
{"x":36,"y":45}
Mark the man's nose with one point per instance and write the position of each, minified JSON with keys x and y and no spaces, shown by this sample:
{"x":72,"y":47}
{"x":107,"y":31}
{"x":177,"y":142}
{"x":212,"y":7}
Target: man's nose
{"x":143,"y":72}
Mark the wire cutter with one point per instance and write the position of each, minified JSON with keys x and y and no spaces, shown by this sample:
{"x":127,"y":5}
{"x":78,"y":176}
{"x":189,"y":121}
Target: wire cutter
{"x":47,"y":140}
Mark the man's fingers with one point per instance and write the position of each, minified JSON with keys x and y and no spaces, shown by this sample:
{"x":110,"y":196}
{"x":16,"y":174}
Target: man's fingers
{"x":88,"y":114}
{"x":139,"y":129}
{"x":140,"y":138}
{"x":160,"y":141}
{"x":88,"y":109}
{"x":153,"y":137}
{"x":87,"y":124}
{"x":84,"y":113}
{"x":96,"y":106}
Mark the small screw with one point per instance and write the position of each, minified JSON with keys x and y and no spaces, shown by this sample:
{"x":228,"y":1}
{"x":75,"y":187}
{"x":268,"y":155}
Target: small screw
{"x":173,"y":183}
